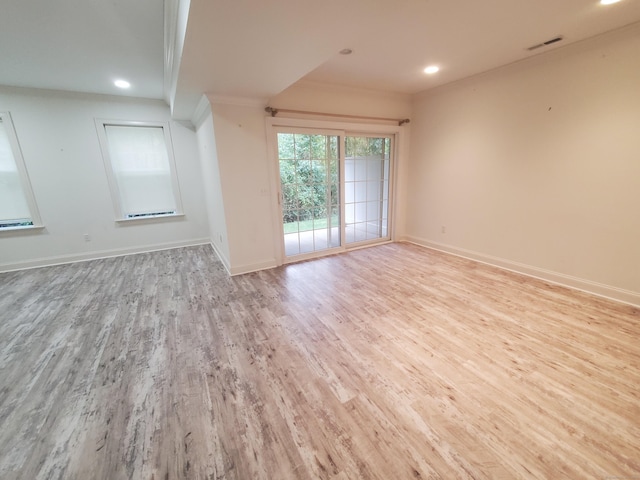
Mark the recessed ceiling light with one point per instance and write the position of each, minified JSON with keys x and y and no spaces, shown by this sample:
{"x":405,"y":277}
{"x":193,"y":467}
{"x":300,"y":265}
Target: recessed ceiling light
{"x":431,"y":69}
{"x":346,"y":51}
{"x":608,"y":2}
{"x":122,"y":84}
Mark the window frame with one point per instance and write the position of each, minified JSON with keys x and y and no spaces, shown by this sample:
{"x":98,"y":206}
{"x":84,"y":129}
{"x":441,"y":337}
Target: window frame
{"x":121,"y":215}
{"x":23,"y":175}
{"x":345,"y":128}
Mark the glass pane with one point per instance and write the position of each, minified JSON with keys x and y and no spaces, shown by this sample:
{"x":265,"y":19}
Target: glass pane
{"x":375,"y":169}
{"x":333,"y":148}
{"x":335,"y":216}
{"x":290,"y":197}
{"x":349,"y":213}
{"x":285,"y":146}
{"x":348,"y":143}
{"x":287,"y":171}
{"x":140,"y":161}
{"x":361,"y":212}
{"x":290,"y":226}
{"x":307,"y":223}
{"x":349,"y":192}
{"x":310,"y":186}
{"x":319,"y":171}
{"x":361,"y":192}
{"x":306,"y":242}
{"x":373,"y":211}
{"x":349,"y":170}
{"x":335,"y":171}
{"x":321,"y":239}
{"x":374,"y":191}
{"x":367,"y":185}
{"x":350,"y":235}
{"x":292,"y":244}
{"x":318,"y":146}
{"x":360,"y":169}
{"x":335,"y":195}
{"x":14,"y":209}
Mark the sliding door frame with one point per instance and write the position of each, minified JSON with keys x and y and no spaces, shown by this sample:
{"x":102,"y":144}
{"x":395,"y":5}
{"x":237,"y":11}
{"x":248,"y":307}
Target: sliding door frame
{"x":299,"y":125}
{"x":392,"y":157}
{"x":277,"y":188}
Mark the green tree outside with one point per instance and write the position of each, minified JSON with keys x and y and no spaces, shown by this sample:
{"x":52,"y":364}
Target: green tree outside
{"x":309,"y":176}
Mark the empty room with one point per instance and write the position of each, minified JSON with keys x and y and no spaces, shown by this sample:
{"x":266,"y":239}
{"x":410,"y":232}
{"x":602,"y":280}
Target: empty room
{"x":287,"y":240}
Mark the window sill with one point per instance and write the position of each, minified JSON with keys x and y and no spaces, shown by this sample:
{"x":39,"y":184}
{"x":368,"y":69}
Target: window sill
{"x":150,"y":218}
{"x":25,"y":229}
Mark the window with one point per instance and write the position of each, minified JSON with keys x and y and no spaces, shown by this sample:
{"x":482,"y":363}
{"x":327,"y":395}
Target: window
{"x":17,"y":203}
{"x":140,"y":168}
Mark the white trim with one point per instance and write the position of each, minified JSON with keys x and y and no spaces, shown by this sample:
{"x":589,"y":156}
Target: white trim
{"x":366,"y":128}
{"x":176,"y":16}
{"x":85,"y":257}
{"x":223,"y":259}
{"x":253,"y":267}
{"x":147,"y":218}
{"x":25,"y":229}
{"x":201,"y":112}
{"x":170,"y":34}
{"x":274,"y":177}
{"x":601,"y":290}
{"x":237,"y":101}
{"x":301,"y":257}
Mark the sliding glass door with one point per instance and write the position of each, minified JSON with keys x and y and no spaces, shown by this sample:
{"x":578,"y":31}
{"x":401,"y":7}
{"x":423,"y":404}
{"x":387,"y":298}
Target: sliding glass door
{"x":366,"y":181}
{"x":334,"y":190}
{"x":310,"y":191}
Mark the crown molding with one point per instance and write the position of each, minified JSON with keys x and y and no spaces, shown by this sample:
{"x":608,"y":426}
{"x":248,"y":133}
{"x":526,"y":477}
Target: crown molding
{"x":201,"y":112}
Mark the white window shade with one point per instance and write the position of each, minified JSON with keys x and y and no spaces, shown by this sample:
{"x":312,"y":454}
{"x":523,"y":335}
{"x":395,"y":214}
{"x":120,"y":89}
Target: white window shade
{"x":141,"y":167}
{"x":15,"y":194}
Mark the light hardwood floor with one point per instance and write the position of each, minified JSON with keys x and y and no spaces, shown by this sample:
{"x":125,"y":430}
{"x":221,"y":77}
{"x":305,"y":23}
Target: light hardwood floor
{"x":392,"y":362}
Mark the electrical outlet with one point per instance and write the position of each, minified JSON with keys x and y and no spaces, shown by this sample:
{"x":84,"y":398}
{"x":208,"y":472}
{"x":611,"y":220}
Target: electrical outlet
{"x":87,"y":237}
{"x":444,"y":229}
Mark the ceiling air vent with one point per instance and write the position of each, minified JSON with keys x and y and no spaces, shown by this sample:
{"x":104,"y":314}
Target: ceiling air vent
{"x":548,"y":42}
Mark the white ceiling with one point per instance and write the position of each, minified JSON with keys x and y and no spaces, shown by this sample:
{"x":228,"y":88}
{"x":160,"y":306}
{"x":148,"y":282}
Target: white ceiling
{"x":257,"y":48}
{"x":465,"y":37}
{"x":83,"y":45}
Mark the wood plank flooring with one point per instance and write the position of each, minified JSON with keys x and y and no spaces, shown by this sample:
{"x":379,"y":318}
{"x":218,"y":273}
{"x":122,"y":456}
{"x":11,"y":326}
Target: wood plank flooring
{"x":392,"y":362}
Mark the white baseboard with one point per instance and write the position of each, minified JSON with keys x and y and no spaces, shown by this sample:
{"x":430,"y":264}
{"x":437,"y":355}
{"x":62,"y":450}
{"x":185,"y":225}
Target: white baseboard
{"x":253,"y":267}
{"x":223,"y":258}
{"x":599,"y":289}
{"x":84,"y":257}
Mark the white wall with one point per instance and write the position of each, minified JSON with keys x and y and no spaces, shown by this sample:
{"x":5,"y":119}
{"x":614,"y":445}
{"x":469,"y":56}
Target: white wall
{"x":59,"y":142}
{"x":315,"y":97}
{"x":242,"y":161}
{"x":240,"y":141}
{"x":212,"y":184}
{"x":536,"y":167}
